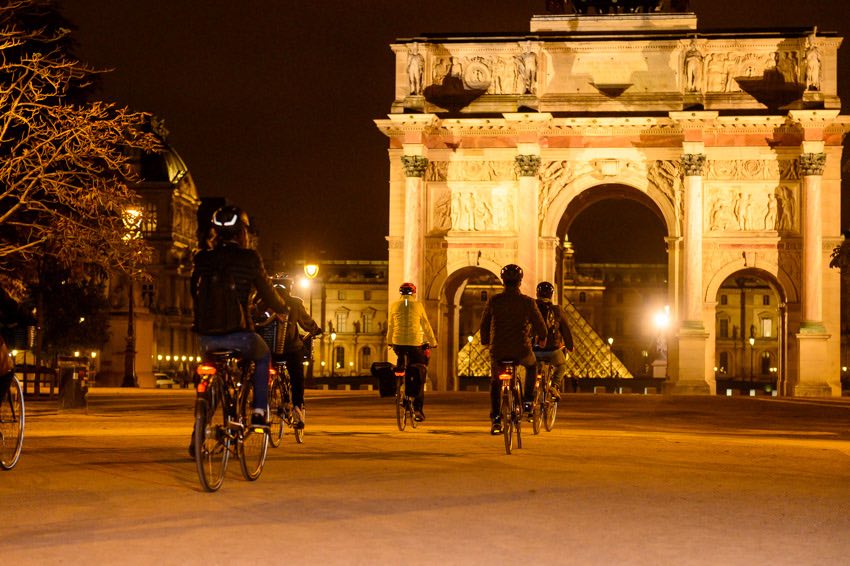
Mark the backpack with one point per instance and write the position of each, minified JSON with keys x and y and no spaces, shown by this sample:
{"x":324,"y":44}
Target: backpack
{"x":553,"y":325}
{"x":218,"y":309}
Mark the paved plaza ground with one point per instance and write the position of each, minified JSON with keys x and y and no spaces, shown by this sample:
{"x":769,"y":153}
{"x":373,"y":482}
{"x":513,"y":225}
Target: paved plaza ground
{"x":623,"y":479}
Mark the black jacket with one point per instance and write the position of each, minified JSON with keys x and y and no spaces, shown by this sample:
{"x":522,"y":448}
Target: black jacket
{"x":248,"y":273}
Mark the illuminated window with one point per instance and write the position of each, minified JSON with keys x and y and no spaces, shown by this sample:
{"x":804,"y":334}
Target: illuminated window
{"x":767,"y":327}
{"x":765,"y":363}
{"x":341,"y":319}
{"x":366,"y":357}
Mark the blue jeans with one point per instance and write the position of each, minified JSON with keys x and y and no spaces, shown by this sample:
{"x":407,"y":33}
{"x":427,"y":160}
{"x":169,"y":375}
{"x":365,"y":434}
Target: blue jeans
{"x":252,"y":347}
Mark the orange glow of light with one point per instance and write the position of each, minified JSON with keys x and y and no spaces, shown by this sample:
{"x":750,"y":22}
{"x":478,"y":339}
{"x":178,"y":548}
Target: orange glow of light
{"x":206,"y":369}
{"x":202,"y":386}
{"x":505,"y":376}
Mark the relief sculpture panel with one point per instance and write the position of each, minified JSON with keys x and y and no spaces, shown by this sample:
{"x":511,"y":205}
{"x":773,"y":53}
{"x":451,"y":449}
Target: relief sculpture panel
{"x":472,"y":209}
{"x":446,"y":171}
{"x":752,"y":208}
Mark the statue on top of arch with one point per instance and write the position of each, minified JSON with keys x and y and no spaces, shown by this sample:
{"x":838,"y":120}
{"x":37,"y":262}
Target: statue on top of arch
{"x":616,"y":6}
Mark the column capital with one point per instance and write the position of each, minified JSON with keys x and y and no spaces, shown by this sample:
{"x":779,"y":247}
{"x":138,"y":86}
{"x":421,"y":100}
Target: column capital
{"x":414,"y":165}
{"x":527,"y":165}
{"x":812,"y":163}
{"x":693,"y":164}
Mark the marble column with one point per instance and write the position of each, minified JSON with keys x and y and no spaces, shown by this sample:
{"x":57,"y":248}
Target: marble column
{"x":693,"y":164}
{"x":811,"y":169}
{"x":414,"y":221}
{"x":527,"y":234}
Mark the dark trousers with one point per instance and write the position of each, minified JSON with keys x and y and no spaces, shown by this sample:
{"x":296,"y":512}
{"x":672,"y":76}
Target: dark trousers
{"x":5,"y":382}
{"x":417,"y":370}
{"x":295,"y":367}
{"x":496,"y":385}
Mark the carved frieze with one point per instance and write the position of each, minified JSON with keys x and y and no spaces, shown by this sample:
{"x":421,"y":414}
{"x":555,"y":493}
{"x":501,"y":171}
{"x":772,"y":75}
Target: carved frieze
{"x":447,"y":171}
{"x":752,"y":169}
{"x":752,"y":208}
{"x":472,"y":209}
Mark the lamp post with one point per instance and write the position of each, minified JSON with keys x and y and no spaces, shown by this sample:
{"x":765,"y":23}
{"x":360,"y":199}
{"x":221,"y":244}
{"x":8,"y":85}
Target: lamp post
{"x":132,"y":222}
{"x":752,"y":343}
{"x":311,"y":270}
{"x":610,"y":357}
{"x":333,"y":353}
{"x":469,"y":356}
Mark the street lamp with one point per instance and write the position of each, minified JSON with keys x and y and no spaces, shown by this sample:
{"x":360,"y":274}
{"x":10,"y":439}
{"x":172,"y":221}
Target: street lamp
{"x":333,"y":353}
{"x":311,"y":270}
{"x":132,"y":222}
{"x":752,"y":343}
{"x":611,"y":356}
{"x":469,"y":356}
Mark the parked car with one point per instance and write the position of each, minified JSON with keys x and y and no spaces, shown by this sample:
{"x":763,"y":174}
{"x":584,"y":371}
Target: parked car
{"x":164,"y":381}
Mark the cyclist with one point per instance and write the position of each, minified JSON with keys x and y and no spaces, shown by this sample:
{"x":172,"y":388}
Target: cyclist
{"x":241,"y":268}
{"x":558,"y":335}
{"x":505,"y":328}
{"x":410,"y":334}
{"x":294,"y":348}
{"x":12,"y":314}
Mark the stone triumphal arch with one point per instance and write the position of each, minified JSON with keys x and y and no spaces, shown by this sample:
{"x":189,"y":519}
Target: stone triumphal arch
{"x":734,"y":139}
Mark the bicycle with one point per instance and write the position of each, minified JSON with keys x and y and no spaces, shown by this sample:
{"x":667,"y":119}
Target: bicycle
{"x":544,"y":407}
{"x":403,"y":402}
{"x":12,"y":421}
{"x":510,"y":408}
{"x":223,"y":410}
{"x":281,"y":408}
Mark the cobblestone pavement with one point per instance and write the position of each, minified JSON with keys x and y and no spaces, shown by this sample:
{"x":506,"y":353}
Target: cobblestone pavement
{"x":623,"y":479}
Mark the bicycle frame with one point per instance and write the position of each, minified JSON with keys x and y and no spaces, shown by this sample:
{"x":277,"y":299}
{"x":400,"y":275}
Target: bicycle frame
{"x":511,"y":404}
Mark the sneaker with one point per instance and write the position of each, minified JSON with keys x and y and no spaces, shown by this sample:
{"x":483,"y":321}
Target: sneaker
{"x":298,"y":416}
{"x":555,"y":393}
{"x":418,"y":416}
{"x":496,"y":427}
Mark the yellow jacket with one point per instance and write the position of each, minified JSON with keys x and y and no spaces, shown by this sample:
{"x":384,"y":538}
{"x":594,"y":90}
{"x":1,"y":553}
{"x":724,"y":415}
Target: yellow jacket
{"x":407,"y":324}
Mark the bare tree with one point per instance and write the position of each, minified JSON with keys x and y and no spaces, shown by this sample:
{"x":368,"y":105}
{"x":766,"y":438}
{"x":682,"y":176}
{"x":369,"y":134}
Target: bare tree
{"x":65,"y":163}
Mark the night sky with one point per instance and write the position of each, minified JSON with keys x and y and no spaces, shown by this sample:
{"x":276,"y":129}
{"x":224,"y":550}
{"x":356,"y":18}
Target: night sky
{"x":271,"y":103}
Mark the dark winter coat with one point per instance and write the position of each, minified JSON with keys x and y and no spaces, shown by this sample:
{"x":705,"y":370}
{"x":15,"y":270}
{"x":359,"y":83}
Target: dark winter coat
{"x":509,"y":322}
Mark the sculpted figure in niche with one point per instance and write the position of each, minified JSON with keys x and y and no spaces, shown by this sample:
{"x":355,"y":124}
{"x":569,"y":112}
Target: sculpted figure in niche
{"x":785,"y":205}
{"x":415,"y":68}
{"x":455,"y":208}
{"x":526,"y":65}
{"x":788,"y":67}
{"x":770,"y":215}
{"x":693,"y":68}
{"x":720,"y":218}
{"x":812,"y":57}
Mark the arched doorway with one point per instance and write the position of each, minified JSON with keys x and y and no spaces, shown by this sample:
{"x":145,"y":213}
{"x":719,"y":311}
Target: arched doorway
{"x":461,"y":302}
{"x":750,"y":333}
{"x":613,"y":268}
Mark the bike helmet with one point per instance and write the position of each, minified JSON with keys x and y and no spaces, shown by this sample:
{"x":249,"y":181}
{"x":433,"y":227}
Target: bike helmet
{"x":545,"y":290}
{"x":283,"y":281}
{"x":407,"y":289}
{"x":229,"y":221}
{"x":512,"y":275}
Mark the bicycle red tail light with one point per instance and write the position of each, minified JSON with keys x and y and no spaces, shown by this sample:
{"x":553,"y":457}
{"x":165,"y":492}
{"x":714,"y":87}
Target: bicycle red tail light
{"x":505,"y":376}
{"x":205,"y":369}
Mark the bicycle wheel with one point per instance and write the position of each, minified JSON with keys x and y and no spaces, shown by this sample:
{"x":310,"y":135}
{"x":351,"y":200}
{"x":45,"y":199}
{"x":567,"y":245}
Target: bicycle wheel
{"x":276,"y":410}
{"x":518,"y":413}
{"x":537,"y":407}
{"x":299,"y":431}
{"x":400,"y":409}
{"x":408,"y":411}
{"x":253,"y":443}
{"x":212,"y":444}
{"x":12,"y":417}
{"x":549,"y":412}
{"x":506,"y":413}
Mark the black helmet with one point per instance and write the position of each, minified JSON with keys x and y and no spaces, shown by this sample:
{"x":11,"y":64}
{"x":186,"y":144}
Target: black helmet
{"x":230,"y":221}
{"x":545,"y":290}
{"x":512,"y":275}
{"x":407,"y":289}
{"x":283,"y":281}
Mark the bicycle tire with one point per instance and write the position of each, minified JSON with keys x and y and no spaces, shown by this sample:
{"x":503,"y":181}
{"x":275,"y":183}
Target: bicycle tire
{"x":212,"y":443}
{"x":276,"y":413}
{"x":518,"y":413}
{"x":400,"y":409}
{"x":12,"y":424}
{"x":550,"y":411}
{"x":253,"y":444}
{"x":506,"y":413}
{"x":537,"y":407}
